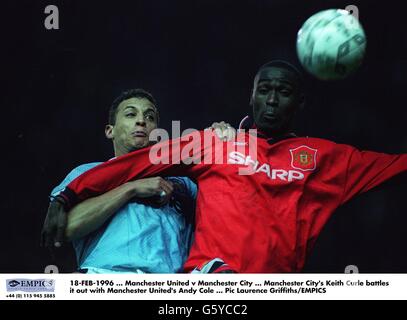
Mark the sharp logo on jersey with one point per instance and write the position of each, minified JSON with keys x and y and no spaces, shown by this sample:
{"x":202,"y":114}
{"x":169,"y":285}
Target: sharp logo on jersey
{"x":304,"y":158}
{"x":239,"y":158}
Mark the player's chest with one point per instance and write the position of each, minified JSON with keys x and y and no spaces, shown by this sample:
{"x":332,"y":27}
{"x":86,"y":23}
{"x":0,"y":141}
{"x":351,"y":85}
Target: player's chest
{"x":280,"y":164}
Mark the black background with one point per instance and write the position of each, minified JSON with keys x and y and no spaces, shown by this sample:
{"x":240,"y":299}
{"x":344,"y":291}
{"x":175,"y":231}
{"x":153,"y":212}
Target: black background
{"x":198,"y":58}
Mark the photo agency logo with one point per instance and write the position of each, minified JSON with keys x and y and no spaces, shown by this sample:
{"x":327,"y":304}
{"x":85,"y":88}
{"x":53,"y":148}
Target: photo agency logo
{"x":51,"y":21}
{"x":30,"y":285}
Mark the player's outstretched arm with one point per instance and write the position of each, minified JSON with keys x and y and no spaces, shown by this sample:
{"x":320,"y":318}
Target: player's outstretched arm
{"x":367,"y":169}
{"x":176,"y":157}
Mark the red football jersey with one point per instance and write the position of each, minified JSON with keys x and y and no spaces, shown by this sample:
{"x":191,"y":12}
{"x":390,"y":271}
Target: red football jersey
{"x":262,"y":222}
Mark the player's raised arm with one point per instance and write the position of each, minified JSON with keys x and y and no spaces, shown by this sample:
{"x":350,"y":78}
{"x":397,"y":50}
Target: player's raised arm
{"x":171,"y":157}
{"x":367,"y":169}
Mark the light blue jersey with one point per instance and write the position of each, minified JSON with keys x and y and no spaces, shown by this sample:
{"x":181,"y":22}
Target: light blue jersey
{"x":139,"y":238}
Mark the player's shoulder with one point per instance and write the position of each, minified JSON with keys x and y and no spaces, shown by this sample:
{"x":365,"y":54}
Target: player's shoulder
{"x":318,"y":142}
{"x":324,"y":146}
{"x":72,"y":175}
{"x":83,"y":168}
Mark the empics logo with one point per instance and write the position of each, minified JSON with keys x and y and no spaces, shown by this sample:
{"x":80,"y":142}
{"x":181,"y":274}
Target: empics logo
{"x":30,"y":285}
{"x":13,"y":283}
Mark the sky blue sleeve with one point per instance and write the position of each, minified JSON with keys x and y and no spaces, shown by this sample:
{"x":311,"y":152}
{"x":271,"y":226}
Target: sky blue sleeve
{"x":191,"y":187}
{"x":72,"y":176}
{"x":79,"y":243}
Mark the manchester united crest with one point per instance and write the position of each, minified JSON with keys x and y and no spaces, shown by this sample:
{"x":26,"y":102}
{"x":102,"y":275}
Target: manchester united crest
{"x":304,"y":158}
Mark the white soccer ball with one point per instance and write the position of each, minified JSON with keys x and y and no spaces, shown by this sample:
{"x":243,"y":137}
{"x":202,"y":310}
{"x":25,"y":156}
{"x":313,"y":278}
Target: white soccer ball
{"x":331,"y":44}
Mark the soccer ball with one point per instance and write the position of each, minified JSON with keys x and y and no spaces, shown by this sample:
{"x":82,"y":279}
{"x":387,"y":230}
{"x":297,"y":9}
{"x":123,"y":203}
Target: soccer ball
{"x":331,"y":44}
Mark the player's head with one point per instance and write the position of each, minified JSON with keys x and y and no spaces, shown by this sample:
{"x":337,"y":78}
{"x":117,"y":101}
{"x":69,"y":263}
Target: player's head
{"x":132,"y":116}
{"x":276,"y":97}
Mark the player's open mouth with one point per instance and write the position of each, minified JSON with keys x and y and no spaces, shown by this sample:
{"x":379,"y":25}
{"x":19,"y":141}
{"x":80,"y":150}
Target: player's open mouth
{"x":271,"y":116}
{"x":137,"y":134}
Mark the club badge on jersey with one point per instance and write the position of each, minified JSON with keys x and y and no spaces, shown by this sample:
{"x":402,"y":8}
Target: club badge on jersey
{"x":304,"y":158}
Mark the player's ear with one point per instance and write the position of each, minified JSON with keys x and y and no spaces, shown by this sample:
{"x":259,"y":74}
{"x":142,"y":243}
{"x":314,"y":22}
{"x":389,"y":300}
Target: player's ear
{"x":251,"y":98}
{"x":109,"y":131}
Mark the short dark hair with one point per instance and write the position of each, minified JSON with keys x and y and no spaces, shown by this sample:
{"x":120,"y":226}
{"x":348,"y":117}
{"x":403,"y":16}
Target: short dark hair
{"x":284,"y":65}
{"x":128,"y":94}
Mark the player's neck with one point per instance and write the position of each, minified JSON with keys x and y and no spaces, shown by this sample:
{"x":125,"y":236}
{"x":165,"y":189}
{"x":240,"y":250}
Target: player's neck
{"x":118,"y":151}
{"x":274,"y":134}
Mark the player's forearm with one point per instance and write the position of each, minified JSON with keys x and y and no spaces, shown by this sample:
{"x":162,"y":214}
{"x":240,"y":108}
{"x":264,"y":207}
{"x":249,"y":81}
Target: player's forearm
{"x":135,"y":165}
{"x":89,"y":215}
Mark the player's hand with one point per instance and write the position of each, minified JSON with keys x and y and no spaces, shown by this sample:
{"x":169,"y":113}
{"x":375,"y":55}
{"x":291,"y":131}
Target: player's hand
{"x":154,"y":191}
{"x":223,"y":130}
{"x":53,"y":230}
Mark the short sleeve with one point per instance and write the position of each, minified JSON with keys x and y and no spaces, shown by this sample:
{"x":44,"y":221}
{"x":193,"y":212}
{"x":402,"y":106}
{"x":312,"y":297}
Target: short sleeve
{"x":72,"y":176}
